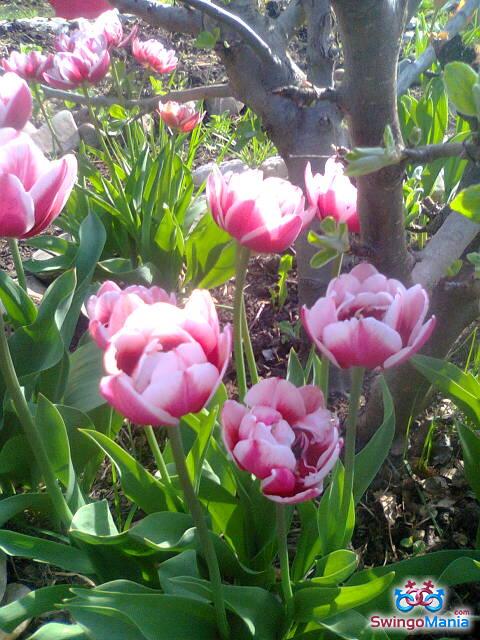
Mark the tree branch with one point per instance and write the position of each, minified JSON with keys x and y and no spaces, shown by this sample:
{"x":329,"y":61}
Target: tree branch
{"x":168,"y":17}
{"x":182,"y":95}
{"x":411,"y":70}
{"x":431,"y":152}
{"x":291,"y":19}
{"x":236,"y":24}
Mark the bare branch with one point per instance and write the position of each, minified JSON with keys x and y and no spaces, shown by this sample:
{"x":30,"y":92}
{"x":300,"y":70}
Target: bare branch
{"x":168,"y":17}
{"x":291,"y":19}
{"x":236,"y":24}
{"x":306,"y":94}
{"x":321,"y":50}
{"x":431,"y":152}
{"x":446,"y":246}
{"x":146,"y":104}
{"x":411,"y":70}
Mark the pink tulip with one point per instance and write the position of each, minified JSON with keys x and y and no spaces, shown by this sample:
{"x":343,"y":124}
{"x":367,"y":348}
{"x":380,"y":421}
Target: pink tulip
{"x":29,"y":66}
{"x":87,"y":62}
{"x":265,"y":215}
{"x":111,"y":306}
{"x":71,"y":9}
{"x":181,"y":117}
{"x":33,"y":189}
{"x":166,"y":361}
{"x":15,"y":101}
{"x":284,"y":436}
{"x":151,"y":54}
{"x":332,"y":194}
{"x":368,"y":320}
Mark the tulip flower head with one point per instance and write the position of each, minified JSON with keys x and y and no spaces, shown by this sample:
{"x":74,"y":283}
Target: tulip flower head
{"x":164,"y":361}
{"x":265,"y":215}
{"x":368,"y":320}
{"x":72,"y":9}
{"x":332,"y":194}
{"x":285,"y":437}
{"x":33,"y":189}
{"x":15,"y":101}
{"x":181,"y":117}
{"x":29,"y":66}
{"x":151,"y":54}
{"x":111,"y":306}
{"x":86,"y":61}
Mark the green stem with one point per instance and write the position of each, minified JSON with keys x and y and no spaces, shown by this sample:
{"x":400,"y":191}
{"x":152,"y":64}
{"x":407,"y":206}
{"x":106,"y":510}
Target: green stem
{"x":9,"y":375}
{"x":17,"y":261}
{"x":243,"y":254}
{"x":247,"y":346}
{"x":357,"y":375}
{"x":46,"y":116}
{"x":284,"y":560}
{"x":325,"y":372}
{"x":202,"y":531}
{"x":157,"y":455}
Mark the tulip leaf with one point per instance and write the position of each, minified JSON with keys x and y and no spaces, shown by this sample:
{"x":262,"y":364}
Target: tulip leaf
{"x":86,"y":370}
{"x":333,"y":534}
{"x":16,"y":301}
{"x":467,"y":202}
{"x":158,"y":616}
{"x":32,"y":605}
{"x":459,"y":79}
{"x":60,"y":555}
{"x":315,"y":603}
{"x":295,"y":373}
{"x":198,"y":451}
{"x":104,"y":622}
{"x":13,"y":505}
{"x":335,"y":567}
{"x":373,"y":455}
{"x":308,"y":544}
{"x":463,"y":388}
{"x":349,"y":625}
{"x":470,"y":441}
{"x":59,"y":631}
{"x":138,"y":484}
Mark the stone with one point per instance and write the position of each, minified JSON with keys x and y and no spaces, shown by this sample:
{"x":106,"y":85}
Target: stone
{"x":66,"y":131}
{"x":89,"y":135}
{"x":274,"y":166}
{"x":35,"y":288}
{"x":217,"y":106}
{"x":200,"y":174}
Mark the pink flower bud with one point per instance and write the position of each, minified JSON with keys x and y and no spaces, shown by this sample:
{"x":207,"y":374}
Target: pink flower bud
{"x":332,"y":194}
{"x":15,"y":101}
{"x":265,"y":215}
{"x":181,"y":117}
{"x":368,"y":320}
{"x":162,"y":361}
{"x":34,"y":190}
{"x":284,"y":436}
{"x":87,"y":61}
{"x":29,"y":66}
{"x":111,"y":306}
{"x":71,"y":9}
{"x":151,"y":54}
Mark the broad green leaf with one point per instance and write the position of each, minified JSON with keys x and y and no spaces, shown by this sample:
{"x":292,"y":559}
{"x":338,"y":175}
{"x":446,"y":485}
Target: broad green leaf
{"x":373,"y":455}
{"x":207,"y":39}
{"x":295,"y":373}
{"x":60,"y":555}
{"x":86,"y":370}
{"x":104,"y":622}
{"x":470,"y":442}
{"x":93,"y":521}
{"x":198,"y":451}
{"x":463,"y":388}
{"x":335,"y":567}
{"x":17,"y":303}
{"x":158,"y":616}
{"x":32,"y":605}
{"x":138,"y":484}
{"x":459,"y":80}
{"x":333,"y":534}
{"x":13,"y":505}
{"x":16,"y":460}
{"x":315,"y":603}
{"x":183,"y":564}
{"x":460,"y":571}
{"x":467,"y":202}
{"x":307,"y":547}
{"x":351,"y":625}
{"x":59,"y":631}
{"x":57,"y":299}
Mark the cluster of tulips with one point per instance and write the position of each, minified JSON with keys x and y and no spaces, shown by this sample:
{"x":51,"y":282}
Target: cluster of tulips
{"x":163,"y":361}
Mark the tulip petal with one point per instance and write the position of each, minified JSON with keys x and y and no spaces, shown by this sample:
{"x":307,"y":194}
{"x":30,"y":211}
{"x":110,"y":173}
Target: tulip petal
{"x":260,"y":457}
{"x":407,"y":352}
{"x":232,"y":416}
{"x":17,"y":208}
